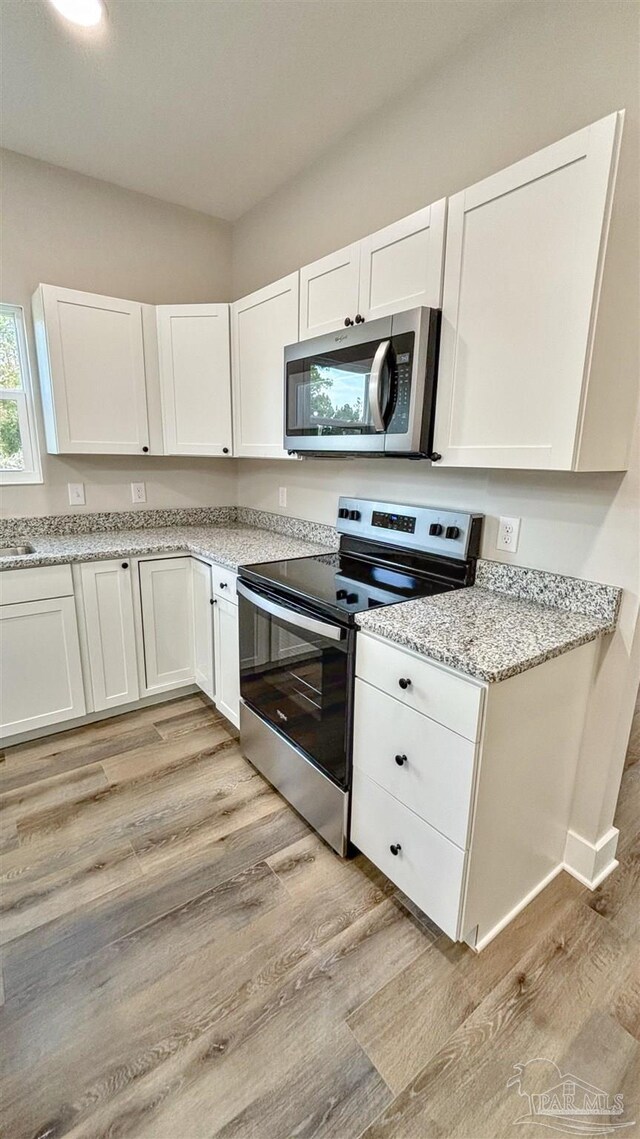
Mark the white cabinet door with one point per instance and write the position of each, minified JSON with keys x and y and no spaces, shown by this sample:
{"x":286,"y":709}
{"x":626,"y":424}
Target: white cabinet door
{"x":40,"y":671}
{"x":111,"y":641}
{"x":401,"y":265}
{"x":329,"y":292}
{"x":227,"y":659}
{"x":92,"y":373}
{"x":261,"y":325}
{"x":203,"y":621}
{"x":195,"y":379}
{"x":166,"y":597}
{"x":522,"y":274}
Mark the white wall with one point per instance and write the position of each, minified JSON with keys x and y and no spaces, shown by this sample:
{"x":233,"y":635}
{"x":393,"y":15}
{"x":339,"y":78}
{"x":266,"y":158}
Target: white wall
{"x":64,"y":229}
{"x":515,"y":88}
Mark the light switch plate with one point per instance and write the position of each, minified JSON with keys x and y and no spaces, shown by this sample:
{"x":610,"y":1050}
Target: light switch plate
{"x":508,"y":534}
{"x":76,"y":493}
{"x":138,"y":492}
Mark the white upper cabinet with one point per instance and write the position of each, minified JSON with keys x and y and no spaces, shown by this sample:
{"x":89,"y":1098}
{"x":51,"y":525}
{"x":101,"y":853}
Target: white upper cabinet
{"x":195,"y":379}
{"x":525,"y":250}
{"x":261,"y":325}
{"x":329,"y":292}
{"x":92,"y":372}
{"x":397,"y":268}
{"x":401,"y":265}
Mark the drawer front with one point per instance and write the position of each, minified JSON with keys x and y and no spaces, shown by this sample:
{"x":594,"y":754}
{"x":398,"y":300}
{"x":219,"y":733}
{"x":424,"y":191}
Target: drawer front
{"x":435,"y":776}
{"x":428,"y":868}
{"x":451,"y":700}
{"x":35,"y":584}
{"x":224,"y":583}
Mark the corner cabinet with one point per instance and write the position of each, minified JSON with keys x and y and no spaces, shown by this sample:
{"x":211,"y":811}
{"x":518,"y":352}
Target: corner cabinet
{"x":525,"y":252}
{"x":261,"y":325}
{"x":397,"y":268}
{"x":92,"y":372}
{"x":195,"y":379}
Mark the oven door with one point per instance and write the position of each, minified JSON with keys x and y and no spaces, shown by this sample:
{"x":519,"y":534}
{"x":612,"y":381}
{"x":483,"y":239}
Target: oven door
{"x":295,"y":673}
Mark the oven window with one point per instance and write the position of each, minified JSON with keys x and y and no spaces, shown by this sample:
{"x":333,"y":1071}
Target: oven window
{"x":329,"y":394}
{"x":297,"y":680}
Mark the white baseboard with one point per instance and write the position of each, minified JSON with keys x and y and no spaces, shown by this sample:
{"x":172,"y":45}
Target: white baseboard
{"x":505,"y":921}
{"x":591,"y":862}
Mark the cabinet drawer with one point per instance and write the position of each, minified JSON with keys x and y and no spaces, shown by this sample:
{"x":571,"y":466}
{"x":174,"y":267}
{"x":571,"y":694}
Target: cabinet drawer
{"x":428,"y":868}
{"x":35,"y":584}
{"x":445,"y":697}
{"x":436,"y":777}
{"x":224,"y":583}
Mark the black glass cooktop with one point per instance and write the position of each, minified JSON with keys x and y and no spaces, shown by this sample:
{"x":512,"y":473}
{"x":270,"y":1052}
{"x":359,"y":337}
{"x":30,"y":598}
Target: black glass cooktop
{"x":343,"y":583}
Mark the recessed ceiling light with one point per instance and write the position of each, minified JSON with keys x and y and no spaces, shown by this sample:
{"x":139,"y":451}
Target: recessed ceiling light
{"x":87,"y":13}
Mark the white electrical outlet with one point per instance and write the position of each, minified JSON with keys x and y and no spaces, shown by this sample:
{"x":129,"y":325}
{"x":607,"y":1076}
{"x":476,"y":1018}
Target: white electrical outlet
{"x":138,"y":492}
{"x":282,"y":496}
{"x":508,"y":534}
{"x":76,"y":493}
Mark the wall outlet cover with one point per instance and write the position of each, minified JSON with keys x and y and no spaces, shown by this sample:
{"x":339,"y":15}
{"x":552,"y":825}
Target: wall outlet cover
{"x":282,"y":496}
{"x":76,"y":493}
{"x":138,"y":492}
{"x":508,"y":534}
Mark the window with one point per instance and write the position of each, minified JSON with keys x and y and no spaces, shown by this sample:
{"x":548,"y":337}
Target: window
{"x":19,"y":454}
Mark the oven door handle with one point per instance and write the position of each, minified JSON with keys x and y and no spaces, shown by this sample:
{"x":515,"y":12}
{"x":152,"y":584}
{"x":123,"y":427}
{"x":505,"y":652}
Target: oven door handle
{"x":375,"y":384}
{"x":292,"y":616}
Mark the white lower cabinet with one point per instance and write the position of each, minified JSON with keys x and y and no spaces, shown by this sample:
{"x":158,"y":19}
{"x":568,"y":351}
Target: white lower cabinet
{"x":40,"y":670}
{"x":425,"y":865}
{"x":110,"y":632}
{"x":166,"y":600}
{"x":227,"y":659}
{"x":203,"y":625}
{"x":462,"y":790}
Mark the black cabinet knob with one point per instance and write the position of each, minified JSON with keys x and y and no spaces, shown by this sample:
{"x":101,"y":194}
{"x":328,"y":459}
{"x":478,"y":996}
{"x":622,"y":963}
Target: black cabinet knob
{"x":404,"y":682}
{"x":400,"y":759}
{"x":145,"y":449}
{"x":348,"y":322}
{"x":224,"y":585}
{"x":225,"y":450}
{"x":125,"y":565}
{"x":395,"y":848}
{"x":359,"y":319}
{"x":212,"y":601}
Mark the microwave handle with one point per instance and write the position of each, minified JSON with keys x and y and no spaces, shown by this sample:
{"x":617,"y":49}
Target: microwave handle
{"x":293,"y":616}
{"x":375,"y":384}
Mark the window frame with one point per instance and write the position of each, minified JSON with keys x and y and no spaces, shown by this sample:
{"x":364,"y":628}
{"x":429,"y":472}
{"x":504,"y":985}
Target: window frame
{"x":32,"y":472}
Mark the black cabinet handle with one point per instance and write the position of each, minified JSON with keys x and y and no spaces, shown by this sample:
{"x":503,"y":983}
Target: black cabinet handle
{"x":225,"y":450}
{"x":145,"y":449}
{"x":359,"y":319}
{"x":224,"y":585}
{"x":400,"y":759}
{"x":404,"y":682}
{"x":395,"y":848}
{"x":212,"y":601}
{"x":125,"y":565}
{"x":348,"y":322}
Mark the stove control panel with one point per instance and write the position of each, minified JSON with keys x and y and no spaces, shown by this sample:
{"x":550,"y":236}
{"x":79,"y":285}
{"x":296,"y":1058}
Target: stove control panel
{"x":447,"y":533}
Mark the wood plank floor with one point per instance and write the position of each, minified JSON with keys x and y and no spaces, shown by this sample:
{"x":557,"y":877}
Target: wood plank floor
{"x":182,"y":958}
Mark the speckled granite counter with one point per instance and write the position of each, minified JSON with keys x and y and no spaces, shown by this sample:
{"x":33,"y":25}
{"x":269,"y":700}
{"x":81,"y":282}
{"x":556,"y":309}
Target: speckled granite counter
{"x":230,"y":536}
{"x":494,"y":633}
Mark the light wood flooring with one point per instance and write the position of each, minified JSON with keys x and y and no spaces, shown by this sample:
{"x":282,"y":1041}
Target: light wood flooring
{"x":183,"y":958}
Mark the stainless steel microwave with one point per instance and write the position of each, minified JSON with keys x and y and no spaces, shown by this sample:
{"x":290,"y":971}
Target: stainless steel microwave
{"x":366,"y":390}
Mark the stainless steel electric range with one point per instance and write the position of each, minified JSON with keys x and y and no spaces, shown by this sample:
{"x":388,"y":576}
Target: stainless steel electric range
{"x":298,"y":639}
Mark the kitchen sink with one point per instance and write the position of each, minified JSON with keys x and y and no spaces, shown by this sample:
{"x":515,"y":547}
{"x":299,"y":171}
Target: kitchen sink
{"x":15,"y":551}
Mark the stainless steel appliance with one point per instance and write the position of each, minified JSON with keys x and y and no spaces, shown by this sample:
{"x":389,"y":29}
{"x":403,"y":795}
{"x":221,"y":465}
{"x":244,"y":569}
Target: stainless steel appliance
{"x":368,"y":389}
{"x":298,"y":639}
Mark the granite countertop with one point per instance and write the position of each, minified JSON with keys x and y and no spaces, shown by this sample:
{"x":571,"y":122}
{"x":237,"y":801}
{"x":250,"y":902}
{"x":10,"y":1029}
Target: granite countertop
{"x":485,"y":633}
{"x":228,"y":545}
